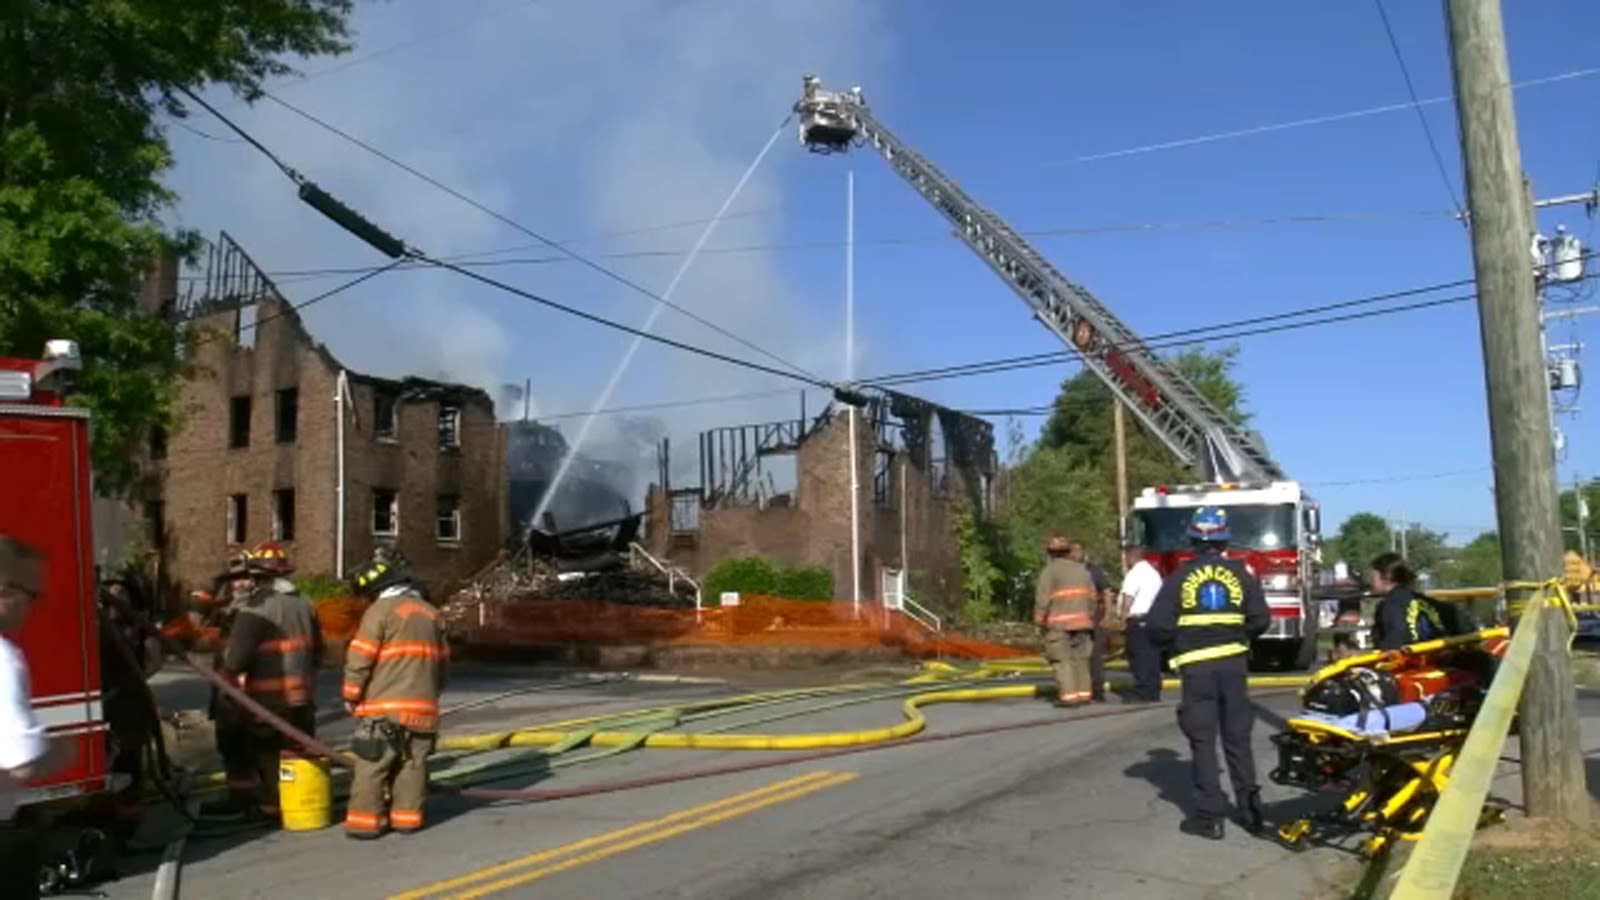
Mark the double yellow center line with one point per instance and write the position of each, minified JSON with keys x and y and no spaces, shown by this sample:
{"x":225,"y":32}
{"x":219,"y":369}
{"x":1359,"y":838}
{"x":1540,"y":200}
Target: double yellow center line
{"x":593,"y":849}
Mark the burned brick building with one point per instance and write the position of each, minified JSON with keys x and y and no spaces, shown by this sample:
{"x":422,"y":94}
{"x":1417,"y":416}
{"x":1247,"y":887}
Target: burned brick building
{"x":917,"y":463}
{"x":279,"y":440}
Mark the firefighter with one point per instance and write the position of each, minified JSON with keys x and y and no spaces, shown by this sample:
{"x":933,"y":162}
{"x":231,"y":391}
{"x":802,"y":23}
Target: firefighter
{"x":1105,"y":621}
{"x":230,"y":723}
{"x":1063,"y":606}
{"x":1209,"y":611}
{"x":274,"y":648}
{"x":1404,"y":615}
{"x":394,"y":672}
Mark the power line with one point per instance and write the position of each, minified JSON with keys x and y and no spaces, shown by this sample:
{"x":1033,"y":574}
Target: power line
{"x":1398,"y":479}
{"x":1422,"y":117}
{"x":506,"y":220}
{"x":296,"y":307}
{"x":1302,"y":123}
{"x":1006,"y":364}
{"x":470,"y":259}
{"x":397,"y":250}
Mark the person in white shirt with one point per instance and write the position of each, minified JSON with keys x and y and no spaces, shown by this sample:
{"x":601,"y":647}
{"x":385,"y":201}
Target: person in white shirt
{"x":1139,"y":588}
{"x":26,"y":753}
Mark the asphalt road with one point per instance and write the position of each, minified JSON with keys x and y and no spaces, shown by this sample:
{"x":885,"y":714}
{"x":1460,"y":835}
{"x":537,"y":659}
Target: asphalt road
{"x":1087,"y":805}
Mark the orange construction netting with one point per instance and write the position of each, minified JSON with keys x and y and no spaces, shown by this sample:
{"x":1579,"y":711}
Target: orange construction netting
{"x":764,"y":622}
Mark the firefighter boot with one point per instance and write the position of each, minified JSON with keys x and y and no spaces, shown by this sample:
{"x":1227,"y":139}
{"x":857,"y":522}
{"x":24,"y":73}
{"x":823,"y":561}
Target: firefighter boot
{"x":1251,"y":814}
{"x":1206,"y":828}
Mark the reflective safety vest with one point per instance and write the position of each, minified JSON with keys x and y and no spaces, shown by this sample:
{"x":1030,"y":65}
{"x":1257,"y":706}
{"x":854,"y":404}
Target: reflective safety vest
{"x":1065,"y":596}
{"x":395,"y":665}
{"x":274,"y":646}
{"x":1212,"y":596}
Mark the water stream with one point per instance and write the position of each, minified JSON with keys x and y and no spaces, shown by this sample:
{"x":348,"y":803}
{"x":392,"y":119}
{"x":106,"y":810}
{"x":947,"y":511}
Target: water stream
{"x":601,"y":402}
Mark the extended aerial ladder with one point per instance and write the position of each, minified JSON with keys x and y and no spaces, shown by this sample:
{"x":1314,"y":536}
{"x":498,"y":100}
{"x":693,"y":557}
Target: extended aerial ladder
{"x":1195,"y":430}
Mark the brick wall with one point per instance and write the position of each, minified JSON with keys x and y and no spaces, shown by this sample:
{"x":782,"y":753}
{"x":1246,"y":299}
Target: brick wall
{"x":201,"y":471}
{"x":815,"y":530}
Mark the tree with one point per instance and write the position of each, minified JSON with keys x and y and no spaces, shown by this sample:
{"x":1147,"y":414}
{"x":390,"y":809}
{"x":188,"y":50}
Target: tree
{"x":1081,"y":421}
{"x":82,"y":154}
{"x":1475,"y":565}
{"x":1569,"y":516}
{"x":1361,"y":538}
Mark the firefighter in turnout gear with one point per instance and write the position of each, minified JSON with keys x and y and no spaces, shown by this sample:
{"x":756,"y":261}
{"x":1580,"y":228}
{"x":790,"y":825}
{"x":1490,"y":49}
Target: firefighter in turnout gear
{"x":274,"y":648}
{"x":230,"y":723}
{"x":1064,"y":604}
{"x":1209,"y":611}
{"x":394,"y":673}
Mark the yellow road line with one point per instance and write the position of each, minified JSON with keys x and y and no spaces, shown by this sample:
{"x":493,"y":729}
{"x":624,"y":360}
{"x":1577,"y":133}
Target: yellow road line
{"x":618,"y":834}
{"x":654,"y":837}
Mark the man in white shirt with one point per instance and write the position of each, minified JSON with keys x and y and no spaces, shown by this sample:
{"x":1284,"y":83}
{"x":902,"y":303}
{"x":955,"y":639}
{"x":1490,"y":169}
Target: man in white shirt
{"x":26,"y":753}
{"x":1140,"y":586}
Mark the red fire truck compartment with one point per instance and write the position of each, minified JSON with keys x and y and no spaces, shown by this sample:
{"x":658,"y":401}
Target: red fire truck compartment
{"x":45,"y":502}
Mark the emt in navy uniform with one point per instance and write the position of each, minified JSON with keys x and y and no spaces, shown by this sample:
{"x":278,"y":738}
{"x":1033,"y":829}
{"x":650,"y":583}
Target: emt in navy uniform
{"x":1209,"y":611}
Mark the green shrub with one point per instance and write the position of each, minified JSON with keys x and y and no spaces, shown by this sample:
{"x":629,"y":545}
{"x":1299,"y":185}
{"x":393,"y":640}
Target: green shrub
{"x":743,"y":575}
{"x":321,"y":586}
{"x":805,"y":583}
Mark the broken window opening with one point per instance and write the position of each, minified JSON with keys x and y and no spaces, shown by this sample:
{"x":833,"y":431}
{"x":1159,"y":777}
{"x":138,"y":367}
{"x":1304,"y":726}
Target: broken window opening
{"x":938,"y":462}
{"x":239,"y":423}
{"x":238,"y":515}
{"x":883,"y":477}
{"x":288,"y":415}
{"x":447,"y":528}
{"x":245,"y":325}
{"x":385,"y":512}
{"x":283,"y":514}
{"x":686,"y":512}
{"x":385,"y":416}
{"x":449,"y":428}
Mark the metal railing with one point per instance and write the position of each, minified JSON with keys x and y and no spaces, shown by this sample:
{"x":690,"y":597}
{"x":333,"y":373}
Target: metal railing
{"x":673,"y":573}
{"x":920,"y":614}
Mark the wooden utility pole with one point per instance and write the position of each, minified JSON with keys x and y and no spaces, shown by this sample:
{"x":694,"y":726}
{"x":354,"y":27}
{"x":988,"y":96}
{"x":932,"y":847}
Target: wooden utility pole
{"x":1120,"y":431}
{"x":1518,"y":388}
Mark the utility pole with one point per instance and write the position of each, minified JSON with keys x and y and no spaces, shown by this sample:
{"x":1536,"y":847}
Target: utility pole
{"x":1553,"y":778}
{"x":1120,"y":432}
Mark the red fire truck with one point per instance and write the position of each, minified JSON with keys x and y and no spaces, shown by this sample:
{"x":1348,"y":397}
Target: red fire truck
{"x":1275,"y":530}
{"x":45,"y":490}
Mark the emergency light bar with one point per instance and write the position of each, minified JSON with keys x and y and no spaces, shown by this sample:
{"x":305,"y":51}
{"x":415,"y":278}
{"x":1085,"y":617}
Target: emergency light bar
{"x":15,"y":385}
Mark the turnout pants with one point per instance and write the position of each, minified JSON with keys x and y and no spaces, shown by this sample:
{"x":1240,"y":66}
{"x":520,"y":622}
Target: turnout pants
{"x":392,"y":791}
{"x":250,"y":754}
{"x":1097,"y":662}
{"x":1144,"y":661}
{"x":1216,"y":702}
{"x":1070,"y":654}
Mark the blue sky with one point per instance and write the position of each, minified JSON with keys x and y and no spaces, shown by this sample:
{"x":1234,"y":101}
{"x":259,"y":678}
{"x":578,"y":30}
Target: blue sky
{"x":578,"y":120}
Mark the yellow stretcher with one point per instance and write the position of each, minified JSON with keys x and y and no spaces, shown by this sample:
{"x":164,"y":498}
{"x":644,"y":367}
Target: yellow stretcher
{"x":1391,"y":756}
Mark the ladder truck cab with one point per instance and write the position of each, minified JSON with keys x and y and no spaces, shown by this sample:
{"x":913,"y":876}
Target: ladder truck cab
{"x":1224,"y":456}
{"x":1276,"y":531}
{"x":46,"y":486}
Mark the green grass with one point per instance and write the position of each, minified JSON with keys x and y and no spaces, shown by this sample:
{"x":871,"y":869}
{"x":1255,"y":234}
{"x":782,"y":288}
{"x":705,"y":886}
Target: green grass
{"x":1530,"y":875}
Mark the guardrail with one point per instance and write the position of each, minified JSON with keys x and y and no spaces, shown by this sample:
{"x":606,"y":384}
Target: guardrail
{"x":924,"y":616}
{"x":1435,"y":864}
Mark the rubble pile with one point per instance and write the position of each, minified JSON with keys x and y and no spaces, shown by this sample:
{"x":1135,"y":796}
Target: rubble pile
{"x":532,"y":581}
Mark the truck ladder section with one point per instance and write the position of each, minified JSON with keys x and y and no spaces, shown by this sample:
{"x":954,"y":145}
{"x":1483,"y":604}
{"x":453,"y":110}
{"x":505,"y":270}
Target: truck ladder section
{"x":1191,"y":426}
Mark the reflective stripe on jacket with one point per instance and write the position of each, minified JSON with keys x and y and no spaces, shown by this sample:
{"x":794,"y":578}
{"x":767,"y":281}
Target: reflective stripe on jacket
{"x":275,"y":645}
{"x":1065,"y":596}
{"x":1210,"y":609}
{"x":395,"y":665}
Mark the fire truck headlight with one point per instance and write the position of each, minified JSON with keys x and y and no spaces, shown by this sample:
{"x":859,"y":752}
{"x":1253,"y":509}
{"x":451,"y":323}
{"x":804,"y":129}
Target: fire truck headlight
{"x":1279,"y":583}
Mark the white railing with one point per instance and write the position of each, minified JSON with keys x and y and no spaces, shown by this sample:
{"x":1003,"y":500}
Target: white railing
{"x":674,"y":574}
{"x":895,"y":598}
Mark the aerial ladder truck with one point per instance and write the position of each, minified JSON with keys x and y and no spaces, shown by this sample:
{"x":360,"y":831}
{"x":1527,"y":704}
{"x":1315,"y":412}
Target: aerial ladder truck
{"x":1275,"y":524}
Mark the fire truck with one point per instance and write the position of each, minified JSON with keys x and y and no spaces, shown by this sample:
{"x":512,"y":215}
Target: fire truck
{"x":1276,"y":525}
{"x":46,"y":486}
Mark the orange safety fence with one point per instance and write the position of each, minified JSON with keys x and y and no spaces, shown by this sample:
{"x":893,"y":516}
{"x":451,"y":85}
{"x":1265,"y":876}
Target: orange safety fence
{"x":757,"y":622}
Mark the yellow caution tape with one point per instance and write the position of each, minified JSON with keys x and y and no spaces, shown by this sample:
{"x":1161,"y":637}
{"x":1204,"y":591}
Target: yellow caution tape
{"x":1435,"y":864}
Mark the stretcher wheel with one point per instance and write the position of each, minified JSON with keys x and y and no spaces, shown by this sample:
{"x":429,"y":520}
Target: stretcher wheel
{"x":1373,"y":846}
{"x":1293,"y":835}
